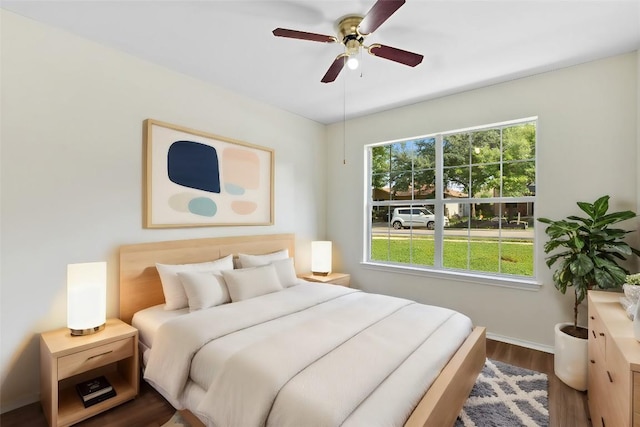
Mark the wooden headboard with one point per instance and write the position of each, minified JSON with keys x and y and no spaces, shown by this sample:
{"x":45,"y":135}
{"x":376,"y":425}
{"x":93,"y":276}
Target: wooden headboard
{"x":140,"y":285}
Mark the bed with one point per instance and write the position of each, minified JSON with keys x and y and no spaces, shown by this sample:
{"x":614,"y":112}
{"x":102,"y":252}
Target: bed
{"x":141,"y":292}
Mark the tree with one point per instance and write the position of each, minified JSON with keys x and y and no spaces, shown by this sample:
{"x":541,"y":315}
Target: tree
{"x":519,"y":168}
{"x":472,"y":163}
{"x":402,"y":164}
{"x":424,"y":167}
{"x":380,"y":165}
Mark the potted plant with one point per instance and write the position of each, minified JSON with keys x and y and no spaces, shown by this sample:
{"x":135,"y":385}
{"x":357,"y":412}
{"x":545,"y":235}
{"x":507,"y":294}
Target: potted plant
{"x":590,"y":250}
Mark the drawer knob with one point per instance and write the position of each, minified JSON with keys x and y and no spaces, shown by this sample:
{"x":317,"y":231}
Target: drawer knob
{"x":592,"y":318}
{"x":609,"y":374}
{"x":594,"y":333}
{"x":601,"y":334}
{"x":593,"y":361}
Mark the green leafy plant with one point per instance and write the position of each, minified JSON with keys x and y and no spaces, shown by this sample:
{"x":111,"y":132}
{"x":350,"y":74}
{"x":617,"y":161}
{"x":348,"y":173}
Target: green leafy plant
{"x":633,"y":279}
{"x":591,"y":249}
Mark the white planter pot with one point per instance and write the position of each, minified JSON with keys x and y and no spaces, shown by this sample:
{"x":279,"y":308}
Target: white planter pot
{"x":570,"y":359}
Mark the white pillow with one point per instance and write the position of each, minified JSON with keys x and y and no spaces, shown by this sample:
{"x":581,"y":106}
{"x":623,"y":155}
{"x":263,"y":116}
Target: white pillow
{"x":174,"y":294}
{"x":204,"y":289}
{"x":286,"y":272}
{"x":247,"y":261}
{"x":247,"y":283}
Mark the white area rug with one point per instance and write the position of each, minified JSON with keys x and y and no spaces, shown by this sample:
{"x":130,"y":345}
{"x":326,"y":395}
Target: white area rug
{"x":506,"y":396}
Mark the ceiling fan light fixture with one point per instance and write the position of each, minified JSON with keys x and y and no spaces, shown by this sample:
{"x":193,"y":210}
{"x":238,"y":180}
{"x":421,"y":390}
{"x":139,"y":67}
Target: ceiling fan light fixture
{"x":353,"y":63}
{"x":352,"y":45}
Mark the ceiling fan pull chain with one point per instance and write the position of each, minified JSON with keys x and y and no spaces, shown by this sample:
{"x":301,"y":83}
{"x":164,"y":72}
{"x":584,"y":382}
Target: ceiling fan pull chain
{"x":344,"y":121}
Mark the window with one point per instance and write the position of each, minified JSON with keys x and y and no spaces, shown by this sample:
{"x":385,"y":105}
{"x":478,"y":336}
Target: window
{"x":459,"y":201}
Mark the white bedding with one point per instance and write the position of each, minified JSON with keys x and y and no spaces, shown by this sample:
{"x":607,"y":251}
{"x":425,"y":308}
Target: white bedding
{"x":148,"y":321}
{"x":311,"y":354}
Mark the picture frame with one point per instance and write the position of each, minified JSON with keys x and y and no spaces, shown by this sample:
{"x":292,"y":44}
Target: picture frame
{"x":198,"y":179}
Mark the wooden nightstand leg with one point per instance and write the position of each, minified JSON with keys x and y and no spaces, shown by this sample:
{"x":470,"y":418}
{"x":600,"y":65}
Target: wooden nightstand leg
{"x":48,"y":387}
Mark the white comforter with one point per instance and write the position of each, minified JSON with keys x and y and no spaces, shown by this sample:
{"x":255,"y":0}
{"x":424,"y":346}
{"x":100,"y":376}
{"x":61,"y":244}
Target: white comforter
{"x":312,"y":354}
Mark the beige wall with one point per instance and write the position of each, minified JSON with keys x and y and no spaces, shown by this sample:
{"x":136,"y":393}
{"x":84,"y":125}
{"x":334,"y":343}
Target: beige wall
{"x":587,"y":147}
{"x":71,"y":173}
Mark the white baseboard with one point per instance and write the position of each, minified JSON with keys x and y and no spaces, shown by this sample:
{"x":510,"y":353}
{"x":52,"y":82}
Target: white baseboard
{"x":521,"y":343}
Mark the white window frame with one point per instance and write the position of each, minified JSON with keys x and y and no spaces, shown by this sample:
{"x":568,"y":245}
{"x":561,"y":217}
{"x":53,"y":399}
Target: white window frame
{"x":437,"y":270}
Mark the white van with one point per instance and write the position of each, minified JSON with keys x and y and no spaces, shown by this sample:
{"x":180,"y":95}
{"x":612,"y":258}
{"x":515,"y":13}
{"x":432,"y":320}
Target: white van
{"x":414,"y":217}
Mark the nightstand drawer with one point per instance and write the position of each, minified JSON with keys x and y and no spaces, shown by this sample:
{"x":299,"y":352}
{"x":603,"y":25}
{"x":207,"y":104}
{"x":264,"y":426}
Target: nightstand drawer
{"x":341,"y":279}
{"x":92,"y":358}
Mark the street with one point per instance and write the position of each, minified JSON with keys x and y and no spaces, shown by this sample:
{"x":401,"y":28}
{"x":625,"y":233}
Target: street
{"x":383,"y":229}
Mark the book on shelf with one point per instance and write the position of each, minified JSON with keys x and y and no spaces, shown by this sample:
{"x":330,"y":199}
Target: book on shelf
{"x":95,"y":390}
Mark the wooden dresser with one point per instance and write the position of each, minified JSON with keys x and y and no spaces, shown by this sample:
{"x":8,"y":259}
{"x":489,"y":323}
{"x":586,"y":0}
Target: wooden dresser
{"x":614,"y":363}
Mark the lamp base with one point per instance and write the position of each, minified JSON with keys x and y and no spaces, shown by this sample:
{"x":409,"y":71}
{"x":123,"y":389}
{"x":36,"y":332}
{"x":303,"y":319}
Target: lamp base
{"x":89,"y":331}
{"x":316,"y":273}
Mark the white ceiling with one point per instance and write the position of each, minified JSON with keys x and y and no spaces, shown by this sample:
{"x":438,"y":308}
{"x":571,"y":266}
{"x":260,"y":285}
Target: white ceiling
{"x":466,"y":44}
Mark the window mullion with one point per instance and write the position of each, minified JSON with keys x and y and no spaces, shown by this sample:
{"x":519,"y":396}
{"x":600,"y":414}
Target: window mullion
{"x":368,"y":225}
{"x":438,"y":207}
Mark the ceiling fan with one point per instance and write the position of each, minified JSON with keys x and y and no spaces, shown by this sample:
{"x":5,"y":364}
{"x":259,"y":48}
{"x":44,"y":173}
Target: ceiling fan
{"x":352,"y":30}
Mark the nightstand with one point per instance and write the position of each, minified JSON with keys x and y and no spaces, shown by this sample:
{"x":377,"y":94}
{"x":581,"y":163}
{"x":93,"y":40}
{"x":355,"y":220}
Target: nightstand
{"x":341,"y":279}
{"x":65,"y":361}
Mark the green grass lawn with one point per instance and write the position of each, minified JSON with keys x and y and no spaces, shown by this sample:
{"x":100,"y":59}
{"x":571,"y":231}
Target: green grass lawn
{"x":509,"y":257}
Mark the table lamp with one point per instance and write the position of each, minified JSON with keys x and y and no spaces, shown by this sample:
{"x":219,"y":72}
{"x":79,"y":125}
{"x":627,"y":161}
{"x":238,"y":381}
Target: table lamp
{"x":86,"y":297}
{"x":321,"y":258}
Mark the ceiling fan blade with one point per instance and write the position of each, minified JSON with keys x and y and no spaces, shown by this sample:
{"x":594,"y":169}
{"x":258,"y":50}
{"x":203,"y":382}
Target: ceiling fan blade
{"x":335,"y":68}
{"x":394,"y":54}
{"x":302,"y":35}
{"x":380,"y":12}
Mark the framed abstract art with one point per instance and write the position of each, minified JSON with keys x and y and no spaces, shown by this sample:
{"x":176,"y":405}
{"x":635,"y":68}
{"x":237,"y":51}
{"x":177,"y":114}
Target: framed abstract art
{"x":197,"y":179}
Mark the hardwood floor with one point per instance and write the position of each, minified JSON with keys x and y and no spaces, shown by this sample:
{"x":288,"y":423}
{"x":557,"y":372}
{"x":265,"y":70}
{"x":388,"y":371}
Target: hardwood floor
{"x":149,"y":409}
{"x":567,"y":407}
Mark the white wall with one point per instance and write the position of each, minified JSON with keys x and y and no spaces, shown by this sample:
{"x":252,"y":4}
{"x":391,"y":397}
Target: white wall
{"x":71,"y":173}
{"x":587,"y":147}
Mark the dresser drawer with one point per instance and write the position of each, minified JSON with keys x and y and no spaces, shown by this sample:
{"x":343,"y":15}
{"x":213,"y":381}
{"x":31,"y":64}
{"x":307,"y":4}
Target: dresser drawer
{"x":620,"y":381}
{"x":614,"y":384}
{"x":608,"y":404}
{"x":95,"y":357}
{"x":636,"y":400}
{"x":597,"y":332}
{"x":597,"y":392}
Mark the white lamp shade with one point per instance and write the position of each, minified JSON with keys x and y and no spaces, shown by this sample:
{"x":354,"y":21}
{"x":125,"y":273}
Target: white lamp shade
{"x":86,"y":297}
{"x":321,"y":257}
